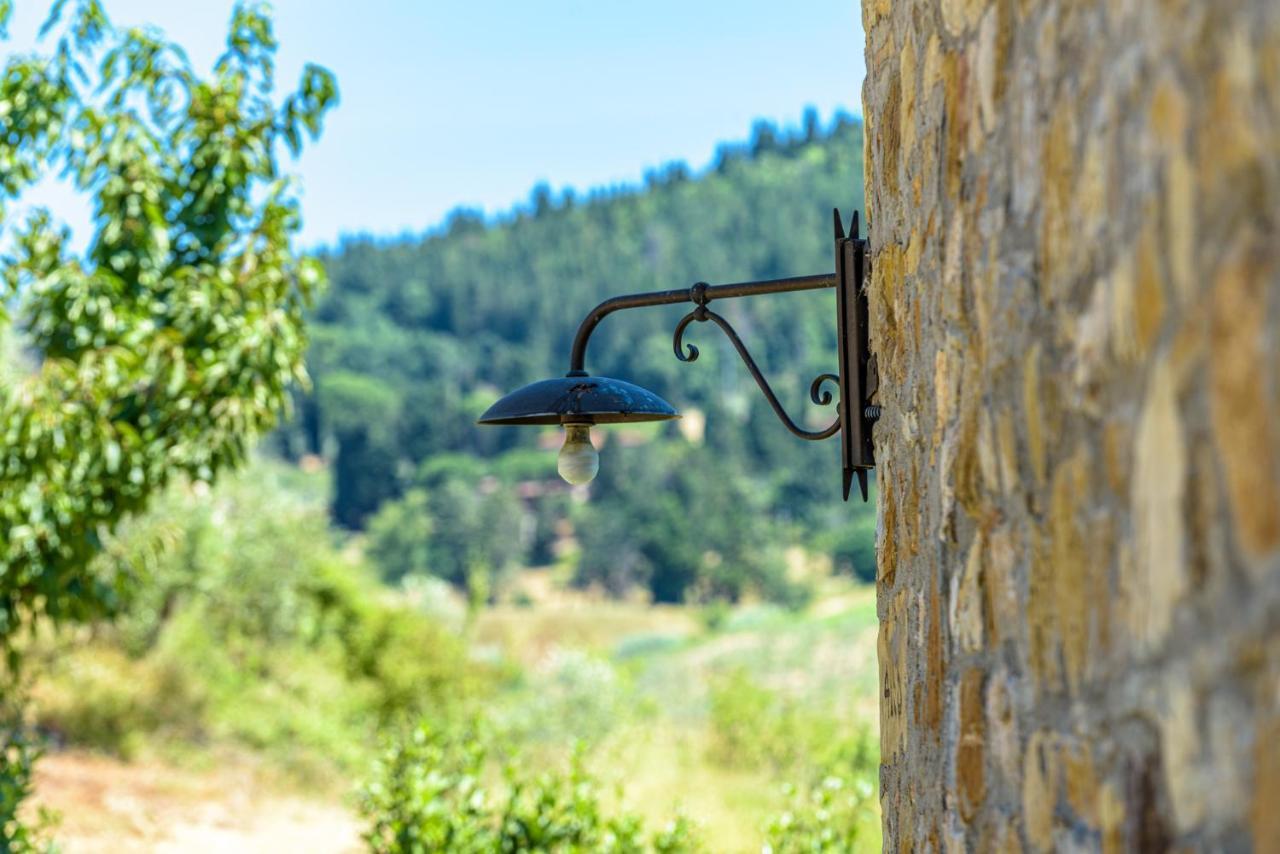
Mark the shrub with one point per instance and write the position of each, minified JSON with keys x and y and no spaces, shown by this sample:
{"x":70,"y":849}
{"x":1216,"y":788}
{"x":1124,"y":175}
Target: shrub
{"x":18,"y":754}
{"x":830,"y":816}
{"x":437,"y":600}
{"x":429,"y":794}
{"x":452,"y":531}
{"x":674,"y":522}
{"x":834,"y":762}
{"x":400,"y":537}
{"x":101,"y":698}
{"x":714,"y":615}
{"x":749,"y":724}
{"x":252,"y":627}
{"x":852,"y":547}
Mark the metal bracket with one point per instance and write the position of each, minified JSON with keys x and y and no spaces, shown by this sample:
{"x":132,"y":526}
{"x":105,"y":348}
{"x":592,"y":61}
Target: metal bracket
{"x":859,"y":378}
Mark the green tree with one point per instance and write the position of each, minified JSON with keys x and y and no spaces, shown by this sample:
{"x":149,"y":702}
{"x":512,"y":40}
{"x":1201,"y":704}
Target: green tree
{"x":852,"y":547}
{"x":450,"y":529}
{"x":673,"y":521}
{"x":172,"y":343}
{"x":400,"y":537}
{"x":360,"y":413}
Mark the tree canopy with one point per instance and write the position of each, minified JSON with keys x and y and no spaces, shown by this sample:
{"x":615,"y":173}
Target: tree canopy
{"x":173,"y":341}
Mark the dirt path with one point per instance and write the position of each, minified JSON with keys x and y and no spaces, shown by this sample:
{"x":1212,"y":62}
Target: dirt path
{"x":112,"y":806}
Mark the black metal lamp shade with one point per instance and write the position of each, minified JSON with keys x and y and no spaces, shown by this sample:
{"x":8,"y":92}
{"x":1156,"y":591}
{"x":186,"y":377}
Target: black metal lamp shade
{"x":579,"y":400}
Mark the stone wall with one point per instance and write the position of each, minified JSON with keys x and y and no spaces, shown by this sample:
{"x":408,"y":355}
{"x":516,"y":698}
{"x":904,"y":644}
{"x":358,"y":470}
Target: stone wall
{"x":1075,"y":302}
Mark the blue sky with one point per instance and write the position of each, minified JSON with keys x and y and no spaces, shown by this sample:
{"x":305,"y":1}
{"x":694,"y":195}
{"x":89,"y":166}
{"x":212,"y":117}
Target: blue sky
{"x":448,"y":103}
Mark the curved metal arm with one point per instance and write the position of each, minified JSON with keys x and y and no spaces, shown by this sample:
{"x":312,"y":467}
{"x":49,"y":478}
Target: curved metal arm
{"x":578,"y":356}
{"x":817,"y":394}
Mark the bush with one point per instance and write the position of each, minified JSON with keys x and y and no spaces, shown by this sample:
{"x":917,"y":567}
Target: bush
{"x":831,"y":816}
{"x":429,"y":794}
{"x":98,"y":697}
{"x":19,"y":751}
{"x":673,"y":521}
{"x":451,"y":531}
{"x":400,"y":538}
{"x":852,"y":547}
{"x":436,"y":600}
{"x":714,"y":615}
{"x":252,"y":627}
{"x":832,"y":806}
{"x":576,"y":697}
{"x":749,"y":724}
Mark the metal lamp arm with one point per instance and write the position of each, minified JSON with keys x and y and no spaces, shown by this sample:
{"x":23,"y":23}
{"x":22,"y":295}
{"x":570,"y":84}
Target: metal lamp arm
{"x":856,"y":378}
{"x":578,"y":356}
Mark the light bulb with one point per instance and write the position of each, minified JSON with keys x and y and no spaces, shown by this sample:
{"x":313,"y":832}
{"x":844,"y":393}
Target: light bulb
{"x":578,"y":461}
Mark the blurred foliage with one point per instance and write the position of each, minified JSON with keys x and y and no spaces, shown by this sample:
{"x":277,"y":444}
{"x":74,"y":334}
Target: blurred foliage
{"x":400,"y":537}
{"x":571,"y":696}
{"x":417,"y":336}
{"x":167,"y":347}
{"x":173,"y":342}
{"x":254,"y":629}
{"x":670,"y":519}
{"x":853,"y":546}
{"x":450,"y":530}
{"x":429,"y":794}
{"x":260,"y":628}
{"x":829,"y":817}
{"x":19,"y":750}
{"x":472,"y":788}
{"x":755,"y":726}
{"x":831,"y":762}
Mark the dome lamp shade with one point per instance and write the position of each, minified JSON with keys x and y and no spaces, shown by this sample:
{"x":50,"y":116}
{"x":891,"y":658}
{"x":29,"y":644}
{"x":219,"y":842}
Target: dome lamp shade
{"x":579,"y":399}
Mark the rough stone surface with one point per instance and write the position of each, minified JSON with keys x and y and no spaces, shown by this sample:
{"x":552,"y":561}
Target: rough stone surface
{"x":1075,"y":303}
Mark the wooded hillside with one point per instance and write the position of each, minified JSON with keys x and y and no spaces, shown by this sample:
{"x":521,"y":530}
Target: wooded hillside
{"x":416,"y":336}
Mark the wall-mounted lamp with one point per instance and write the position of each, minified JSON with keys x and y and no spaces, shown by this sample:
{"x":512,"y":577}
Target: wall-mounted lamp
{"x":578,"y":400}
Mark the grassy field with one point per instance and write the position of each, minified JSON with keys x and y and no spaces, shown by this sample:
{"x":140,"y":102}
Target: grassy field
{"x":709,"y":714}
{"x":647,"y":707}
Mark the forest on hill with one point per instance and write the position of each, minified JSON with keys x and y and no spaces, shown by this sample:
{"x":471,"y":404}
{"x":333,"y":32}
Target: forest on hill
{"x":415,"y":337}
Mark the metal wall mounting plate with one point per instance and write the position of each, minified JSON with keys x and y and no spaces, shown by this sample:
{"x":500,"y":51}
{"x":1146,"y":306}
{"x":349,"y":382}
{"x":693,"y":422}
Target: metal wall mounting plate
{"x":857,"y":414}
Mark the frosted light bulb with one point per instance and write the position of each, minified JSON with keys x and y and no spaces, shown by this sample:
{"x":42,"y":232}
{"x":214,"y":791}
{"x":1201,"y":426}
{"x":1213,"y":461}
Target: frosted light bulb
{"x":578,"y":461}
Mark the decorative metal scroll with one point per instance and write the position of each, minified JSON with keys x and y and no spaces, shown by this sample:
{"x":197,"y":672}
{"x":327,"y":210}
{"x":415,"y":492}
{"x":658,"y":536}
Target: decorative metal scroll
{"x":689,"y":353}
